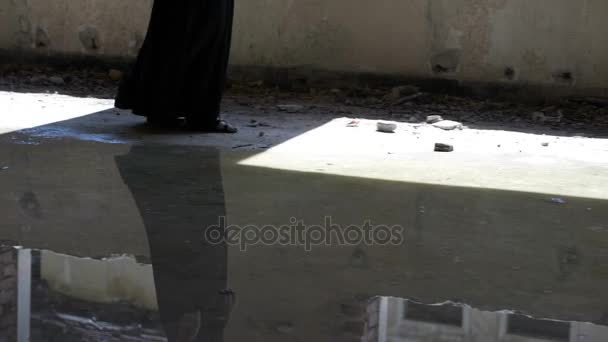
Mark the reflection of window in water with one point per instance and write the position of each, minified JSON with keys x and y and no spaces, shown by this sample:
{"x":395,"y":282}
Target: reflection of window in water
{"x":543,"y":329}
{"x":440,"y":314}
{"x":402,"y":320}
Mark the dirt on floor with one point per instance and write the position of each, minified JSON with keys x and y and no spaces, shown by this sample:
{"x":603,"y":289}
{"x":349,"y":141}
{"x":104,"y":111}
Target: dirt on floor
{"x":582,"y":116}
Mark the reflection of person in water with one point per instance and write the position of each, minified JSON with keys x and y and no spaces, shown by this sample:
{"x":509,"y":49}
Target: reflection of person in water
{"x":179,"y":192}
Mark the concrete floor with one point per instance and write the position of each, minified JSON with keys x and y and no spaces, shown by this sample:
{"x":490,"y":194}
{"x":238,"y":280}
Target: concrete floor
{"x":318,"y":142}
{"x":503,"y":222}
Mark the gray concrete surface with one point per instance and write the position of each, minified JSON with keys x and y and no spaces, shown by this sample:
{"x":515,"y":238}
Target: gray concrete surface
{"x":558,"y":44}
{"x":518,"y":226}
{"x":310,"y":141}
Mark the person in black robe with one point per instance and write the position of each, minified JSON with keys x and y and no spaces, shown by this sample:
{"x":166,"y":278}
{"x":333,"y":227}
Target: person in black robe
{"x":181,"y":68}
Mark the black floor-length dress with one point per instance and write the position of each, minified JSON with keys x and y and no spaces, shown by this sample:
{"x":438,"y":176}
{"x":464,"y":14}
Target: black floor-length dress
{"x":181,"y":67}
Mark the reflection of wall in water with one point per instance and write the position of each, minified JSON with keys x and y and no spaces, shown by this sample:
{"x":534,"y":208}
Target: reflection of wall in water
{"x":408,"y":321}
{"x":386,"y":319}
{"x":8,"y":294}
{"x":104,"y":281}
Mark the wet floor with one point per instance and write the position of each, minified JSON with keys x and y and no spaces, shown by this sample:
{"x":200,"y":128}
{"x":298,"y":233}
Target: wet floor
{"x":157,"y":242}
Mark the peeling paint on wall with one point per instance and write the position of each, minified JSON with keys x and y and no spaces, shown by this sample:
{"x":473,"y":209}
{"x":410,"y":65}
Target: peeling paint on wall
{"x":89,"y":38}
{"x":559,"y":42}
{"x":42,"y":39}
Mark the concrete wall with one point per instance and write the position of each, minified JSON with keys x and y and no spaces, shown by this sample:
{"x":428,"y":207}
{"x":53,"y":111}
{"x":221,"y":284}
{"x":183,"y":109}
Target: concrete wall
{"x":560,"y":43}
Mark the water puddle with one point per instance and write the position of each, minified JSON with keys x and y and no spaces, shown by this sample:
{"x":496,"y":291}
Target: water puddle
{"x":146,"y":242}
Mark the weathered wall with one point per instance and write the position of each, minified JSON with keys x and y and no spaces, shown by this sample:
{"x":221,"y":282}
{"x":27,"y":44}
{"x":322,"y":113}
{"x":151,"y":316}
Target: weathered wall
{"x":543,"y":42}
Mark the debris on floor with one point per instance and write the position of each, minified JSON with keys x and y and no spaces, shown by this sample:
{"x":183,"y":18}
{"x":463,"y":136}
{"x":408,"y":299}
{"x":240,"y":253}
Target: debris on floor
{"x":255,"y":123}
{"x":557,"y":200}
{"x":241,"y":146}
{"x":401,"y":91}
{"x":256,"y":84}
{"x":545,"y":144}
{"x":290,"y":108}
{"x":57,"y":80}
{"x":402,"y":94}
{"x":353,"y":123}
{"x":439,"y":147}
{"x":407,"y":99}
{"x":596,"y":101}
{"x":115,"y":75}
{"x":386,"y":127}
{"x":448,"y":125}
{"x":544,"y":117}
{"x":2,"y":168}
{"x":431,"y":119}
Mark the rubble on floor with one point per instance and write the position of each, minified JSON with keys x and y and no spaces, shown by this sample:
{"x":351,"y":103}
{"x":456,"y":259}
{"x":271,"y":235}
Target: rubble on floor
{"x":404,"y":103}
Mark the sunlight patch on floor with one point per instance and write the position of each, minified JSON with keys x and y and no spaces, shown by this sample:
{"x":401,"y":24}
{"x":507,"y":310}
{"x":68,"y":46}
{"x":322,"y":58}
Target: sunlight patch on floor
{"x":568,"y":166}
{"x":26,"y":110}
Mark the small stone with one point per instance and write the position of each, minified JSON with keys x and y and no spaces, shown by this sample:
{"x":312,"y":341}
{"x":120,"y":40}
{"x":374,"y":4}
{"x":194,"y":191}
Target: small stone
{"x":261,"y":134}
{"x":444,"y":148}
{"x":115,"y":75}
{"x":542,"y":117}
{"x":353,"y":123}
{"x":538,"y":116}
{"x":398,"y":92}
{"x":545,"y":144}
{"x":291,"y":108}
{"x":448,"y":125}
{"x":386,"y":127}
{"x":433,"y":119}
{"x":57,"y":80}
